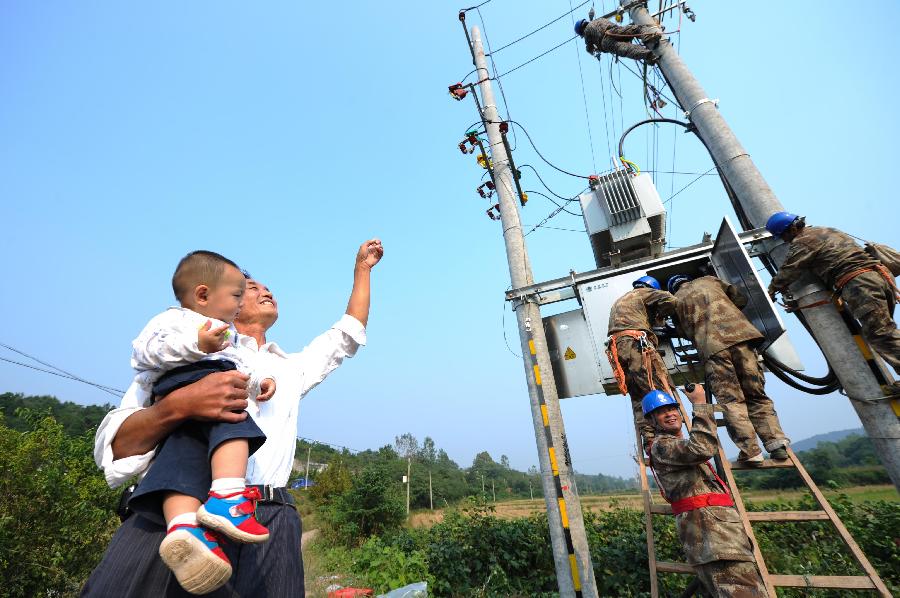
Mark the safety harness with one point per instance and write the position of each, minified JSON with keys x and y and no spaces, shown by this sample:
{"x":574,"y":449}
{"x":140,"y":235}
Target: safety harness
{"x":843,"y":280}
{"x":881,"y":269}
{"x":647,"y":350}
{"x":691,"y":503}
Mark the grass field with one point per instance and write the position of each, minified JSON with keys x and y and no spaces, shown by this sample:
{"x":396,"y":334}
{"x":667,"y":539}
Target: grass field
{"x":512,"y":509}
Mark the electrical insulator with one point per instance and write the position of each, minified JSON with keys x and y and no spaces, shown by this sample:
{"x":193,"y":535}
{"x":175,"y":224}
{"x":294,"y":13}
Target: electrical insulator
{"x":524,"y":198}
{"x":618,"y":17}
{"x":593,"y":181}
{"x":481,"y":189}
{"x":504,"y":127}
{"x":484,"y":162}
{"x":591,"y":14}
{"x":494,"y":212}
{"x":457,"y":91}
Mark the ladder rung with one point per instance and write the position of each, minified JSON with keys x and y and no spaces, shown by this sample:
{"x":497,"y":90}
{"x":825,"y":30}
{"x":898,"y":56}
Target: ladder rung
{"x":767,"y":464}
{"x":661,"y":509}
{"x":720,"y":422}
{"x":668,"y":567}
{"x":788,"y":516}
{"x":843,"y":582}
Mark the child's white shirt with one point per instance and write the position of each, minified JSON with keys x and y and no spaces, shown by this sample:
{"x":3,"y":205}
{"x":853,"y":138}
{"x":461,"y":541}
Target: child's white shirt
{"x":170,"y":340}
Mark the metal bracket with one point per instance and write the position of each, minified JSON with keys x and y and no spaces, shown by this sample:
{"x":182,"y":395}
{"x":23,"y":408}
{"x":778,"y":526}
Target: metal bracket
{"x":715,"y":102}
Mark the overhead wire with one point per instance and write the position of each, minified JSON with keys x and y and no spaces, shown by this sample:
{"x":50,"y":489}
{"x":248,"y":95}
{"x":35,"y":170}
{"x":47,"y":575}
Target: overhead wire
{"x":541,"y":156}
{"x":57,"y":371}
{"x":490,"y":56}
{"x":541,"y":55}
{"x":527,"y":35}
{"x":537,"y":174}
{"x":553,"y":201}
{"x":587,"y":116}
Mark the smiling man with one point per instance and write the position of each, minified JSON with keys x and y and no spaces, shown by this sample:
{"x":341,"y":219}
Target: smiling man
{"x":128,"y":437}
{"x":708,"y":525}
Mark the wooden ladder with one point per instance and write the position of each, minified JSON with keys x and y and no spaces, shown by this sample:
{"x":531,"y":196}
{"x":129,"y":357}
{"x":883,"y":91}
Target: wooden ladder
{"x":869,"y":581}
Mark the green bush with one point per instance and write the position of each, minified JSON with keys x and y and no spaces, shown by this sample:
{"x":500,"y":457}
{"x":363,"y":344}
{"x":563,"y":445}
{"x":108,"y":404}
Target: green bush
{"x":387,"y":567}
{"x":473,"y":553}
{"x":371,"y":506}
{"x":56,"y":516}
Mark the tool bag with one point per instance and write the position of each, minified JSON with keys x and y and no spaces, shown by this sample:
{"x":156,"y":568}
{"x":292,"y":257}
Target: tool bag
{"x":885,"y":254}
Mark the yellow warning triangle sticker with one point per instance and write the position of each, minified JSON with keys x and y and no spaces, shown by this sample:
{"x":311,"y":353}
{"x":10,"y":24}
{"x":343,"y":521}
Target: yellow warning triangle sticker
{"x":570,"y":354}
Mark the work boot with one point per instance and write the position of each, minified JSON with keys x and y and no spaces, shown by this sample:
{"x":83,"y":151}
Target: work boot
{"x":779,"y":454}
{"x":754,"y":461}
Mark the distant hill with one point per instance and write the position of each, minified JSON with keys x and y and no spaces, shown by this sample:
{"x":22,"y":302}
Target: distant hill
{"x":811,"y":442}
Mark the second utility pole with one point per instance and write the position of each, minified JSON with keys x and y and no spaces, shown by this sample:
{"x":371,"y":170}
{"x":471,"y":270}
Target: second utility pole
{"x":574,"y":572}
{"x":844,"y":354}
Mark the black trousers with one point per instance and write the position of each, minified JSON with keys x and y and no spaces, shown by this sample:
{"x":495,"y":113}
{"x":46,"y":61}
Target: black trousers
{"x":131,"y":567}
{"x":182,"y":461}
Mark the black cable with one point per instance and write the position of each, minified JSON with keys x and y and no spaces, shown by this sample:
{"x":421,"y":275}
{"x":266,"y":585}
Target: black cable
{"x":687,"y":125}
{"x":826,"y":380}
{"x":64,"y":374}
{"x":541,"y":55}
{"x":494,"y":69}
{"x":477,"y":6}
{"x":545,"y":184}
{"x":553,"y":201}
{"x":541,"y":156}
{"x":541,"y":27}
{"x":822,"y":390}
{"x":98,"y":386}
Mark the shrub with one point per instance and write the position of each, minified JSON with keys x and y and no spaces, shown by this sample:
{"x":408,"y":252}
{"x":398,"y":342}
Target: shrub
{"x":56,"y":516}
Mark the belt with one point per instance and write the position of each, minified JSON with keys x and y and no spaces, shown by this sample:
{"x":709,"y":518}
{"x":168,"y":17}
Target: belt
{"x":273,"y":495}
{"x":712,"y":499}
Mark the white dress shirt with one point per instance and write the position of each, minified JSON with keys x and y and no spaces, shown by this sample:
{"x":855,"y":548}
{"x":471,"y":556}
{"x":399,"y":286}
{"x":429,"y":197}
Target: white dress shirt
{"x":295,"y":374}
{"x":170,"y":340}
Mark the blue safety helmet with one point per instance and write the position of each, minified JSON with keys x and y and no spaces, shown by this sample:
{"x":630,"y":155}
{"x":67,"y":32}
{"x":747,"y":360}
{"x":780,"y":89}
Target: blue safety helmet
{"x":579,"y":26}
{"x":646,"y":281}
{"x":655,"y":399}
{"x":676,"y":281}
{"x":779,"y":222}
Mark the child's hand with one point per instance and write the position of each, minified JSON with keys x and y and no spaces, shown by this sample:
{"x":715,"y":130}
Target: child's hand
{"x":211,"y":340}
{"x":266,"y":389}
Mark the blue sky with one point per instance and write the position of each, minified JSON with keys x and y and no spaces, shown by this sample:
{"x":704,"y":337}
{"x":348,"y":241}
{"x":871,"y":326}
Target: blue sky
{"x":285,"y":134}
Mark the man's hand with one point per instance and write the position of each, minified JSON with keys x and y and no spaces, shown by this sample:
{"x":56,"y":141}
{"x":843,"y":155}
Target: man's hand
{"x":266,"y":389}
{"x":212,"y":340}
{"x":220,"y":397}
{"x":696,"y":395}
{"x":369,"y":253}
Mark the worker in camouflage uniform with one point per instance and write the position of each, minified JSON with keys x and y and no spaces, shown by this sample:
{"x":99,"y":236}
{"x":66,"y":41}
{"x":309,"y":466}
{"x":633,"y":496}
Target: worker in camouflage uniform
{"x":867,"y":288}
{"x":632,"y":346}
{"x":708,"y":312}
{"x":602,"y":35}
{"x":708,"y":525}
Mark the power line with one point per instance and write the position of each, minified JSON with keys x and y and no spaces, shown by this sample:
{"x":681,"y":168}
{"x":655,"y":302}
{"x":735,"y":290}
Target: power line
{"x":587,"y":116}
{"x":553,"y":201}
{"x":527,"y":62}
{"x":542,"y":26}
{"x":541,"y":156}
{"x":59,"y":371}
{"x":494,"y":68}
{"x":313,"y":441}
{"x":689,"y":184}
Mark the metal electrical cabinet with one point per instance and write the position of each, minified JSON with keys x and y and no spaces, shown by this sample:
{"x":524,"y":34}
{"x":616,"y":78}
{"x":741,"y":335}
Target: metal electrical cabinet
{"x":577,"y":339}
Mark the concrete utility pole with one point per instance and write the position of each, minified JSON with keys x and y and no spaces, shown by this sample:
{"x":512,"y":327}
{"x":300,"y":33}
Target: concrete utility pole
{"x":574,"y":571}
{"x":408,"y":481}
{"x":758,"y":202}
{"x":306,"y":482}
{"x":430,"y":495}
{"x":493,"y":492}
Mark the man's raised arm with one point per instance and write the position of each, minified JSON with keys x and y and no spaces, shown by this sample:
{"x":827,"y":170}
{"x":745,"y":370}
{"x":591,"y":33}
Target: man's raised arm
{"x":368,"y":255}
